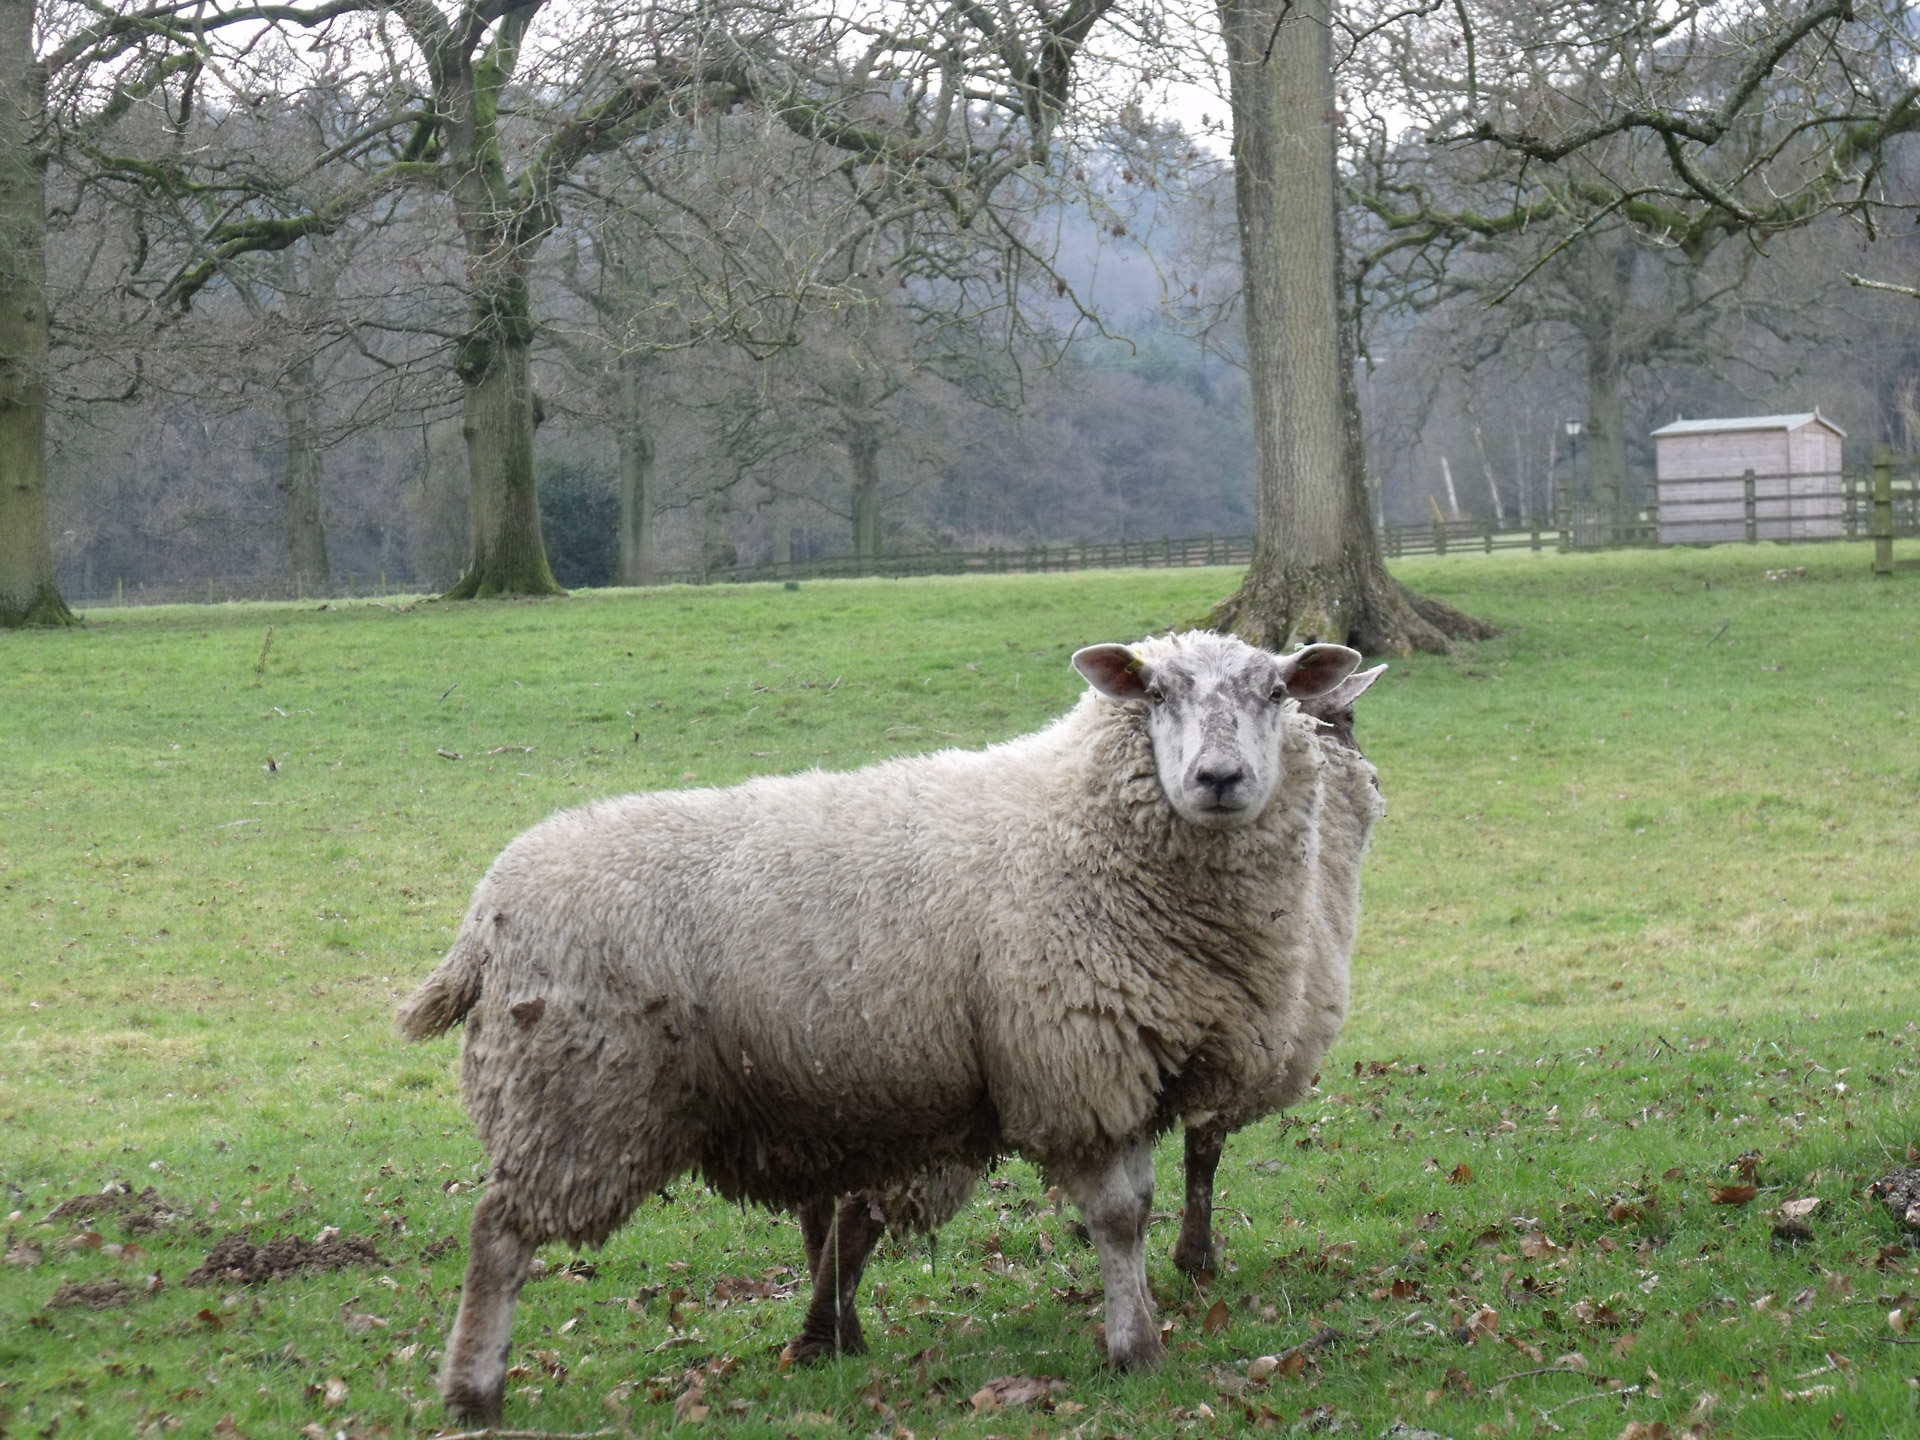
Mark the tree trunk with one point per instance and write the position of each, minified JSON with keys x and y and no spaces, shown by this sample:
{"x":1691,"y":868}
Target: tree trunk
{"x":1606,"y":427}
{"x":498,"y":412}
{"x":636,"y":481}
{"x":781,"y":551}
{"x":300,"y":479}
{"x":1317,"y":571}
{"x":29,"y":593}
{"x":714,"y":550}
{"x":498,"y":408}
{"x":863,"y":451}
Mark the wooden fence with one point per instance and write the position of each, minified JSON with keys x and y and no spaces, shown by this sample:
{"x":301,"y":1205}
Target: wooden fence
{"x":1576,"y":526}
{"x":1162,"y":554}
{"x":1883,"y":504}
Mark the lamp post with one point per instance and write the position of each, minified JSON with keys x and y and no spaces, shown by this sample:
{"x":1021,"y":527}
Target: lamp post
{"x":1573,"y":428}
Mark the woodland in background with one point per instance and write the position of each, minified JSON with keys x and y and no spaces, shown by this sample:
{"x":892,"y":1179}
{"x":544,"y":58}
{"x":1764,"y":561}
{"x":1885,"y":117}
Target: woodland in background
{"x":297,"y":427}
{"x":1137,"y":436}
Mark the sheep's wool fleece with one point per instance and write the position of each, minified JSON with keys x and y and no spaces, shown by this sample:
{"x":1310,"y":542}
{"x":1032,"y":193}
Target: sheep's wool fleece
{"x":820,"y":983}
{"x":1350,"y":807}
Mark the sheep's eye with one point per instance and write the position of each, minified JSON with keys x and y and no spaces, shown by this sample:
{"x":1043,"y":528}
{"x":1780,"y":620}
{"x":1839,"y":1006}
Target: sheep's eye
{"x":1156,"y":695}
{"x":1279,"y":694}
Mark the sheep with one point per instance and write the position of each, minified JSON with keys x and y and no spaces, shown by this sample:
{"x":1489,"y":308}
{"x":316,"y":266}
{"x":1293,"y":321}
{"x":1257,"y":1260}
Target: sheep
{"x":833,"y":1326}
{"x":813,"y":985}
{"x":1352,"y":803}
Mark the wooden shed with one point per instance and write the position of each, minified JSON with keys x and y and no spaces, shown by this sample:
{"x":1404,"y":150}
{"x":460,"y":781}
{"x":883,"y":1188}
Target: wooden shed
{"x":1778,"y":473}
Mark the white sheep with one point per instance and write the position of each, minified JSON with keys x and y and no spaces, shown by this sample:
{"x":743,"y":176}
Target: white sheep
{"x":818,"y":984}
{"x":1351,"y":806}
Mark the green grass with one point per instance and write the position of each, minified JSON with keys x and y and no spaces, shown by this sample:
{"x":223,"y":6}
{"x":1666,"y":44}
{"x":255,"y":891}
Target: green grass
{"x":1643,"y":901}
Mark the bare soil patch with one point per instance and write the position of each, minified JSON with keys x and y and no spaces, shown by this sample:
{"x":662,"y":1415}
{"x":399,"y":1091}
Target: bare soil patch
{"x":90,"y":1295}
{"x":139,"y":1214}
{"x":237,"y":1258}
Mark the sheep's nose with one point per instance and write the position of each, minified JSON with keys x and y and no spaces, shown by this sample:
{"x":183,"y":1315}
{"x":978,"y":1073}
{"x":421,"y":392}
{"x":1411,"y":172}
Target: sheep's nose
{"x":1219,"y":778}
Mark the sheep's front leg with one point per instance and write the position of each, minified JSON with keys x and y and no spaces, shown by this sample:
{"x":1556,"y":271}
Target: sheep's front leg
{"x":1194,"y":1251}
{"x":1116,"y":1198}
{"x":839,"y":1241}
{"x":473,"y":1380}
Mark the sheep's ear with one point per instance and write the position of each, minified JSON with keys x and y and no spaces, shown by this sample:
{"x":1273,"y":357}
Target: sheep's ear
{"x":1354,"y":686}
{"x":1113,"y":670}
{"x":1315,"y":669}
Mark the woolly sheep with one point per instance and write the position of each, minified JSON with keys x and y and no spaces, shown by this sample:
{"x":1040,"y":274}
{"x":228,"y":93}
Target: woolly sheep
{"x":817,"y":984}
{"x":1350,"y":806}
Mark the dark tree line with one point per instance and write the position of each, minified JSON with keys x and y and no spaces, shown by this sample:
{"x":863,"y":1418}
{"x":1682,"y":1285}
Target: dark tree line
{"x":343,"y":288}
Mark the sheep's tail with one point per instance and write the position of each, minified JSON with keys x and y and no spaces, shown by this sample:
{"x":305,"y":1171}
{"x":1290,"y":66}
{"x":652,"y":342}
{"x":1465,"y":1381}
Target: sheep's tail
{"x":445,"y":996}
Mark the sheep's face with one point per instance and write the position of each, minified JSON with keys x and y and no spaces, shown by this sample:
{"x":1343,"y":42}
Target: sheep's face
{"x":1213,"y":706}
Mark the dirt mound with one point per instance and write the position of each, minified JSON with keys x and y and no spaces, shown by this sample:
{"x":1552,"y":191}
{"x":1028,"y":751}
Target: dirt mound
{"x":236,"y":1258}
{"x":90,"y":1295}
{"x":139,"y":1213}
{"x":1899,"y":1191}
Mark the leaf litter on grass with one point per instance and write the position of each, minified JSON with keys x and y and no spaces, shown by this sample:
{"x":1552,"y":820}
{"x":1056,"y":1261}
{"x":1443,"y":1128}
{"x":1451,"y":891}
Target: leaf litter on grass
{"x":1493,"y":919}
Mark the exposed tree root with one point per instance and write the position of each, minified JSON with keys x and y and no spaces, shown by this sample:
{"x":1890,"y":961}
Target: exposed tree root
{"x":44,"y":610}
{"x":1367,"y":609}
{"x":484,"y":583}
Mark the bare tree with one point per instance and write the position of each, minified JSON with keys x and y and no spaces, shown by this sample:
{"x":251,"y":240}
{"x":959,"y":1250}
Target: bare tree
{"x":1564,"y":85}
{"x":499,"y":117}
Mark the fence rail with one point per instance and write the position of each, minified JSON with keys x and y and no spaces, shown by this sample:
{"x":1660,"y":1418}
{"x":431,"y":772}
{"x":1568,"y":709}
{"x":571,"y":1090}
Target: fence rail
{"x":1163,"y":554}
{"x":1882,"y":505}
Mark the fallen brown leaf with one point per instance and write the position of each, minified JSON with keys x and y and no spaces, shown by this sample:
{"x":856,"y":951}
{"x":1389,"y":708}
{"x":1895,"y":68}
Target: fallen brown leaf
{"x":1217,"y":1318}
{"x":1732,"y":1194}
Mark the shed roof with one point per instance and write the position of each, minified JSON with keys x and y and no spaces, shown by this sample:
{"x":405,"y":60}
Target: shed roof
{"x":1749,"y":422}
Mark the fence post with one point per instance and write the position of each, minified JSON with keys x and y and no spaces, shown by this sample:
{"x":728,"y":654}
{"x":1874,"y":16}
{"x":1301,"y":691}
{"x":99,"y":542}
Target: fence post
{"x":1534,"y":537}
{"x":1439,"y":537}
{"x":1561,"y":523}
{"x":1849,"y":486}
{"x":120,"y":591}
{"x":1882,"y":510}
{"x":1486,"y":534}
{"x":1753,"y":516}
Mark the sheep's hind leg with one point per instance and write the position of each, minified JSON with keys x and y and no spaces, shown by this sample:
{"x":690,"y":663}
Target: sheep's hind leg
{"x":473,"y":1379}
{"x":1194,"y":1252}
{"x":839,"y":1241}
{"x":1117,"y":1198}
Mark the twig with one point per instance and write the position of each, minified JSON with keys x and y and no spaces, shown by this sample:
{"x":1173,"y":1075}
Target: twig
{"x":1327,"y":1336}
{"x":1866,"y":284}
{"x":1529,"y":1374}
{"x":493,"y":1434}
{"x":1721,"y":631}
{"x":502,"y":749}
{"x":449,"y":755}
{"x":1624,"y":1390}
{"x":448,"y":691}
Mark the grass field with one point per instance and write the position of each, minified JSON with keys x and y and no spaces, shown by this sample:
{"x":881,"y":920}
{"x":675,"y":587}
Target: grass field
{"x":1644,"y":902}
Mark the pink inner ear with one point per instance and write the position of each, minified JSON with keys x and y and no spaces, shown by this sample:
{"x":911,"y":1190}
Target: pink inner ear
{"x":1318,"y":669}
{"x":1112,"y":670}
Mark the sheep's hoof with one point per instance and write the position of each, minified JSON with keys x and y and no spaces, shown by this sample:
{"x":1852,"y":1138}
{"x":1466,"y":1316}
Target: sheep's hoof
{"x":1195,"y":1255}
{"x":806,"y":1349}
{"x":1142,"y":1359}
{"x":470,"y":1407}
